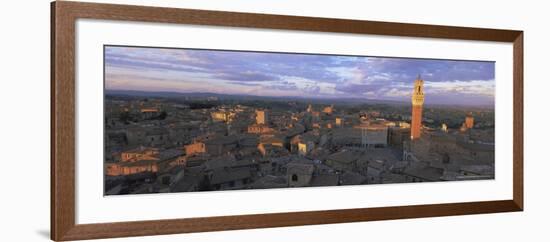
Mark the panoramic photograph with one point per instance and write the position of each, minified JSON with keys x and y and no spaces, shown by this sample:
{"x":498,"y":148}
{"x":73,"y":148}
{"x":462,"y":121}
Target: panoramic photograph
{"x":193,"y":120}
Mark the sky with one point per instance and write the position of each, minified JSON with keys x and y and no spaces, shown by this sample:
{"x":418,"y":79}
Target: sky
{"x":298,"y":75}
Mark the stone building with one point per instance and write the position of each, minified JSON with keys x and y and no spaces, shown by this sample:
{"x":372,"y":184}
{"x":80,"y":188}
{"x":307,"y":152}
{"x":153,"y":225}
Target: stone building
{"x":221,"y":144}
{"x":140,"y":153}
{"x":220,"y":116}
{"x":230,"y":178}
{"x":135,"y":135}
{"x":328,"y":110}
{"x":345,"y":160}
{"x":259,"y":129}
{"x":373,"y":134}
{"x":195,"y":148}
{"x":397,"y":135}
{"x":261,"y":117}
{"x":157,"y":137}
{"x":305,"y":147}
{"x":339,"y":122}
{"x":299,"y":174}
{"x":147,"y":113}
{"x":129,"y":168}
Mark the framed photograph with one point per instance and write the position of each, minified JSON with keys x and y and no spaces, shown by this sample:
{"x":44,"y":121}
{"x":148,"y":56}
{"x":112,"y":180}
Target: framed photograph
{"x":172,"y":120}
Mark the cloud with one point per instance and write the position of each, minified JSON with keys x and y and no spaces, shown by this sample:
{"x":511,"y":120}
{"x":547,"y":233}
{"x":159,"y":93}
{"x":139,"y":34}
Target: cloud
{"x":394,"y":92}
{"x":474,"y":87}
{"x":306,"y":75}
{"x":246,"y":76}
{"x":358,"y":89}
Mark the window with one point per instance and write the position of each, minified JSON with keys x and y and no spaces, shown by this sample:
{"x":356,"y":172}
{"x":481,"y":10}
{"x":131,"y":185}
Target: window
{"x":294,"y":177}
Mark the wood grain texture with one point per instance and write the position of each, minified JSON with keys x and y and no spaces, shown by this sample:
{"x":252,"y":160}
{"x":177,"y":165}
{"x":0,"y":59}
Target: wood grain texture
{"x":63,"y":17}
{"x":518,"y":121}
{"x":142,"y":228}
{"x":268,"y":21}
{"x":63,"y":123}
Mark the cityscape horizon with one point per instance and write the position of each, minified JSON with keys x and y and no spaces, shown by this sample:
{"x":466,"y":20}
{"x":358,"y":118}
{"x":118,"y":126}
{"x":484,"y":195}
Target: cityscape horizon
{"x":184,"y":120}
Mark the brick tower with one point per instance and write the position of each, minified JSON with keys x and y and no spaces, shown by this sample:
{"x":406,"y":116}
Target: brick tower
{"x":469,"y":122}
{"x":417,"y":103}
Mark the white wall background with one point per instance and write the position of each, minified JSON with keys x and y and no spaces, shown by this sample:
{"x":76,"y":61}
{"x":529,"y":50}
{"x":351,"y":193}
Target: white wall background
{"x":24,"y":120}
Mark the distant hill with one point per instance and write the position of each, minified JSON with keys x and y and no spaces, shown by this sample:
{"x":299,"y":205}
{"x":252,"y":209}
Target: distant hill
{"x":175,"y":95}
{"x":313,"y":100}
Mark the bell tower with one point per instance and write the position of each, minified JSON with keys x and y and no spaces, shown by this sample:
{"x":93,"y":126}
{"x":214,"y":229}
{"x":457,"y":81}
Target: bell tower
{"x":417,"y":104}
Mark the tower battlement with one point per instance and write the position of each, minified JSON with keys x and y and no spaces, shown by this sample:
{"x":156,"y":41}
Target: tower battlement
{"x":418,"y":92}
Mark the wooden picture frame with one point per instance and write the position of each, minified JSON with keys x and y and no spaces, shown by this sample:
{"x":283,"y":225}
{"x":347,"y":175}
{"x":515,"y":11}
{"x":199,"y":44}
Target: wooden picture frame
{"x":63,"y":18}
